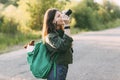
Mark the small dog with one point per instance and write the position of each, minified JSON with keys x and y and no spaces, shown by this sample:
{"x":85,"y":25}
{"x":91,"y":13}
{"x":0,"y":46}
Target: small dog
{"x":31,"y":43}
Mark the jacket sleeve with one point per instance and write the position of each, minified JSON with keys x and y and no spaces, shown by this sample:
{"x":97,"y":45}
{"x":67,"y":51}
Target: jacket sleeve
{"x":58,"y":43}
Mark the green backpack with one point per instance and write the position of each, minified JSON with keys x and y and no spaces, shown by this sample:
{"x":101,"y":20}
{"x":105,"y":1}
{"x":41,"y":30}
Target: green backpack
{"x":40,"y":61}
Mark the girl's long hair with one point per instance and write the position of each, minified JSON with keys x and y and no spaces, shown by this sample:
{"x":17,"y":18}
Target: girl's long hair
{"x":48,"y":25}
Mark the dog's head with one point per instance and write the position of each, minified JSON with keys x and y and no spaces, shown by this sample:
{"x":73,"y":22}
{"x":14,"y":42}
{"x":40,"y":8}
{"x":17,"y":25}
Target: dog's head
{"x":30,"y":43}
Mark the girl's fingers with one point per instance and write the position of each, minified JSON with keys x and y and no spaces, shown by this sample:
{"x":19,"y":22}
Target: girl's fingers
{"x":65,"y":17}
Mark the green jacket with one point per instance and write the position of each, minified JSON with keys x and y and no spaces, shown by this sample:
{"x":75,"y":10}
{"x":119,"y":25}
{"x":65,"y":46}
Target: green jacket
{"x":62,"y":44}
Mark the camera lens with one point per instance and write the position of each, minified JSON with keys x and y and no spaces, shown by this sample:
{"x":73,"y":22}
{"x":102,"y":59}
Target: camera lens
{"x":68,"y":12}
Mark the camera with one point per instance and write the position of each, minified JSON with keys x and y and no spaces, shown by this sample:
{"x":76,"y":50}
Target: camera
{"x":68,"y":12}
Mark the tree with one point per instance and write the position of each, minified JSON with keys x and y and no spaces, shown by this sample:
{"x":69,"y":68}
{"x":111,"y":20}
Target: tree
{"x":3,"y":1}
{"x":36,"y":10}
{"x":8,"y":2}
{"x":85,"y":15}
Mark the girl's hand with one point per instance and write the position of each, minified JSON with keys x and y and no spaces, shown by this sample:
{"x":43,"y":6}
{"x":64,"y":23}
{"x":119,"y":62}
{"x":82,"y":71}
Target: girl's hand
{"x":66,"y":19}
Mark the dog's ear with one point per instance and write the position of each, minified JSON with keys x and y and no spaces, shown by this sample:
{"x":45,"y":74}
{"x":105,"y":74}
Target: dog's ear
{"x":31,"y":43}
{"x":25,"y":46}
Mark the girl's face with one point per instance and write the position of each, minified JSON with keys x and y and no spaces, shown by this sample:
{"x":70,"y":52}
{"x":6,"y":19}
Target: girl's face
{"x":58,"y":19}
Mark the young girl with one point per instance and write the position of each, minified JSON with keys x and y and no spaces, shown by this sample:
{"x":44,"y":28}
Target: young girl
{"x":56,"y":35}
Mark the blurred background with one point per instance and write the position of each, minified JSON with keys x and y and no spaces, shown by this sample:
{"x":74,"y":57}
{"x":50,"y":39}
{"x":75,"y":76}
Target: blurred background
{"x":21,"y":20}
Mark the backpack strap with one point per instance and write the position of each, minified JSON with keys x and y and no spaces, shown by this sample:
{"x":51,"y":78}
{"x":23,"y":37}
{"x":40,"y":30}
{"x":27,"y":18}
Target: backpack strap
{"x":55,"y":66}
{"x":53,"y":57}
{"x":55,"y":70}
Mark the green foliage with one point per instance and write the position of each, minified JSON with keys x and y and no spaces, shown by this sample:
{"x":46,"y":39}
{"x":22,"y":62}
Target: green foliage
{"x":9,"y":40}
{"x":85,"y":15}
{"x":112,"y":9}
{"x":4,"y":1}
{"x":8,"y":26}
{"x":8,"y":2}
{"x":37,"y":9}
{"x":90,"y":15}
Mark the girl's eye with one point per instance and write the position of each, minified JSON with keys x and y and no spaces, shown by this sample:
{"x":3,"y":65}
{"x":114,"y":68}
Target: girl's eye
{"x":59,"y":15}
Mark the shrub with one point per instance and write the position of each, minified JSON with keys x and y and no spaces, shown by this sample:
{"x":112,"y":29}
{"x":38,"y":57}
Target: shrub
{"x":8,"y":26}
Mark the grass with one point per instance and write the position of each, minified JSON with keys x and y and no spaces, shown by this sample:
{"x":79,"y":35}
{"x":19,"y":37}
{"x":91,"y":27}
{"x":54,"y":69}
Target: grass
{"x":111,"y":24}
{"x":77,"y":30}
{"x":8,"y":41}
